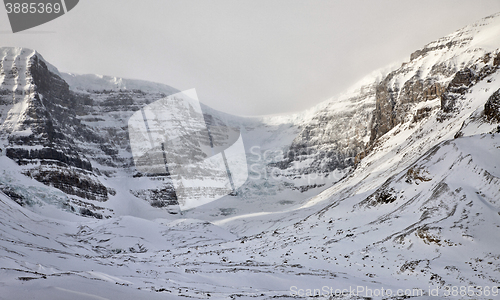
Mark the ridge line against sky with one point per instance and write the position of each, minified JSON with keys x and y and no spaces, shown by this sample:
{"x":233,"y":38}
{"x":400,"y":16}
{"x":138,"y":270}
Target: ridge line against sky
{"x":245,"y":57}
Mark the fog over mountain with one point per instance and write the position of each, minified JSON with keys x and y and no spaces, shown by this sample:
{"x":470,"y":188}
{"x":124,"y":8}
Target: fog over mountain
{"x":245,"y":57}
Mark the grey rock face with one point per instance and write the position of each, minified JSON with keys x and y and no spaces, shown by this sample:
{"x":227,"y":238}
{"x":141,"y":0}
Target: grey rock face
{"x":50,"y":124}
{"x":492,"y":107}
{"x":59,"y":135}
{"x":460,"y":83}
{"x":333,"y":138}
{"x":393,"y":103}
{"x":443,"y":69}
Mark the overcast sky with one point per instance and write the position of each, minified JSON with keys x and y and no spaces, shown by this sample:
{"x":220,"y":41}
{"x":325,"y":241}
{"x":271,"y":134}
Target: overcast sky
{"x":245,"y":57}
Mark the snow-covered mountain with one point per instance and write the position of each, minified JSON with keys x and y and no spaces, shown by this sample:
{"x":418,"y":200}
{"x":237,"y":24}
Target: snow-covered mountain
{"x":74,"y":127}
{"x":395,"y":184}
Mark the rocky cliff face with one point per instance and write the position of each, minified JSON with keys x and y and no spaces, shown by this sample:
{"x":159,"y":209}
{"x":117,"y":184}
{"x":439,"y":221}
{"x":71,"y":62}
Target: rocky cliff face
{"x":40,"y":128}
{"x":337,"y":132}
{"x":51,"y":129}
{"x":339,"y":135}
{"x":443,"y":69}
{"x":492,"y":107}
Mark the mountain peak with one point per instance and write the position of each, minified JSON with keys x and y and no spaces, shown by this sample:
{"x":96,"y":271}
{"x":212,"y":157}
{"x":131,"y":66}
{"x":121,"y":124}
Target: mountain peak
{"x":96,"y":82}
{"x":483,"y":34}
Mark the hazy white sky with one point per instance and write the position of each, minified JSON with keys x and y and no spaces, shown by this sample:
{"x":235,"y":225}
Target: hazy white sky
{"x":245,"y":57}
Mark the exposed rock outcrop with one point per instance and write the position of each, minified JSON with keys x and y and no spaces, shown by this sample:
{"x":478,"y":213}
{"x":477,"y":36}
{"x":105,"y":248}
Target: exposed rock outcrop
{"x":492,"y":107}
{"x":444,"y":69}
